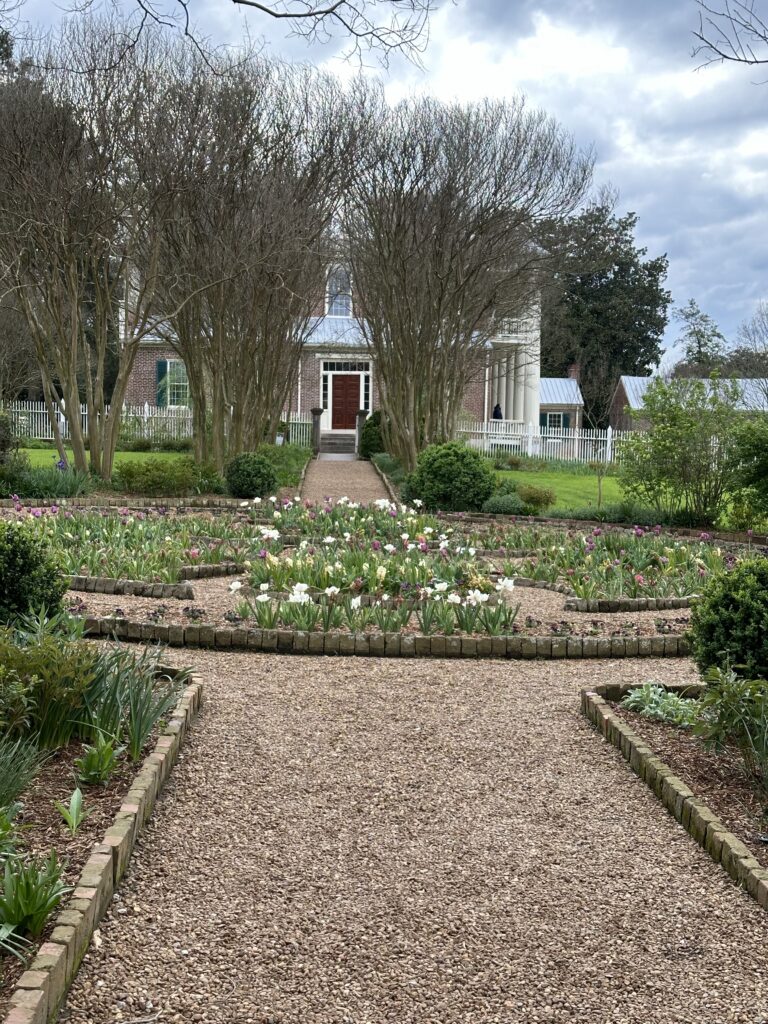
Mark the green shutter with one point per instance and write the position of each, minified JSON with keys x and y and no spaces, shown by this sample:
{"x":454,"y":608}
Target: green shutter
{"x":542,"y":419}
{"x":566,"y":421}
{"x":161,"y":397}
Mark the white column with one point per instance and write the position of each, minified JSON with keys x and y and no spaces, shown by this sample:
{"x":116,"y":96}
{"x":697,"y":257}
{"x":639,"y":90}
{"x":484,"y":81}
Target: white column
{"x":520,"y":364}
{"x":494,"y":382}
{"x":508,"y":403}
{"x":532,"y":375}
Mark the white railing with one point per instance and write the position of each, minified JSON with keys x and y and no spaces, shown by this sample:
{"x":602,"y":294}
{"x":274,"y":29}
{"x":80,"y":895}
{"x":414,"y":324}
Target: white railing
{"x":574,"y":445}
{"x":149,"y":422}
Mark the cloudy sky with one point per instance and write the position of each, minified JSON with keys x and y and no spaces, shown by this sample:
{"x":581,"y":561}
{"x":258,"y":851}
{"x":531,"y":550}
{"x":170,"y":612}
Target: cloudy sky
{"x":686,"y":149}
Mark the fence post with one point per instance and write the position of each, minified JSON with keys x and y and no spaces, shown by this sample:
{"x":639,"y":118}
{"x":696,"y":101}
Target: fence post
{"x":609,"y":444}
{"x":530,"y":439}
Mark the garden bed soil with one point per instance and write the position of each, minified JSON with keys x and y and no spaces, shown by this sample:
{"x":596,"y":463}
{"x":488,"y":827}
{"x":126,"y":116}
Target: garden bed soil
{"x":541,"y":612}
{"x":719,"y":780}
{"x":43,"y":830}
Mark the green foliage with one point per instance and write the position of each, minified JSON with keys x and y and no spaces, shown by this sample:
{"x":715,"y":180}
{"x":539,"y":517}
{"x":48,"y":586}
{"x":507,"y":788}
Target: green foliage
{"x":733,"y":711}
{"x":616,"y":512}
{"x":653,"y":701}
{"x":251,"y":475}
{"x":391,"y":467}
{"x":157,"y":477}
{"x":535,"y":499}
{"x":75,"y":814}
{"x":504,"y":504}
{"x":9,"y":832}
{"x":729,"y":624}
{"x":751,"y":453}
{"x":20,"y":762}
{"x":370,"y":438}
{"x":287,"y":460}
{"x":450,"y":477}
{"x":12,"y":943}
{"x":607,"y":308}
{"x":687,"y":461}
{"x":8,"y":440}
{"x":98,"y":761}
{"x":30,"y":577}
{"x":703,"y":342}
{"x":32,"y":889}
{"x":148,"y":702}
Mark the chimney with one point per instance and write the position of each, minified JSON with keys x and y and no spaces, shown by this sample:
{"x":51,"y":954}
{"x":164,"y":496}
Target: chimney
{"x":573,"y":371}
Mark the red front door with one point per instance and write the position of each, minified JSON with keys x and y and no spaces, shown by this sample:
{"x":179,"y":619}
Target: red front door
{"x":346,"y":400}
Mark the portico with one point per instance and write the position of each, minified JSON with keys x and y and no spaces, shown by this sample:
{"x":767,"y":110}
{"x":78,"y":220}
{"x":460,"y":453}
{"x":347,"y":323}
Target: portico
{"x":513,"y":380}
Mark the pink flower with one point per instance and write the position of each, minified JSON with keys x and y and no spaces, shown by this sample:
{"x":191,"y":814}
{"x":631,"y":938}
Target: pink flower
{"x":640,"y":579}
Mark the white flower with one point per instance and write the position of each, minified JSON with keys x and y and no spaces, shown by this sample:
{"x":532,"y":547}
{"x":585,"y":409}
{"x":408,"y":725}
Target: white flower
{"x":389,"y":548}
{"x":276,"y":515}
{"x":475,"y":597}
{"x":256,"y":501}
{"x":328,"y":540}
{"x":471,"y":550}
{"x":384,"y":597}
{"x":453,"y":599}
{"x":355,"y":603}
{"x":235,"y":586}
{"x":506,"y":584}
{"x":428,"y":530}
{"x":298,"y":597}
{"x":441,"y":588}
{"x":403,"y":536}
{"x":272,"y":498}
{"x":347,"y":536}
{"x":263,"y":587}
{"x":300,"y":588}
{"x":331,"y":591}
{"x":382,"y":503}
{"x":297,"y":497}
{"x":243,"y":504}
{"x":261,"y":598}
{"x":381,"y":572}
{"x":418,"y":502}
{"x":411,"y":547}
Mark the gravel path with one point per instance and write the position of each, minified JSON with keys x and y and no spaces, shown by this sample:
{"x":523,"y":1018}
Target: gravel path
{"x":356,"y":480}
{"x":368,"y":841}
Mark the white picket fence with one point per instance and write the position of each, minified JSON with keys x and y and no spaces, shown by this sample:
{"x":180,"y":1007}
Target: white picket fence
{"x":498,"y":437}
{"x":30,"y":419}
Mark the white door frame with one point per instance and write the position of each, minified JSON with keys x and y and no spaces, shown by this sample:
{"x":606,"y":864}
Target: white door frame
{"x":327,"y":418}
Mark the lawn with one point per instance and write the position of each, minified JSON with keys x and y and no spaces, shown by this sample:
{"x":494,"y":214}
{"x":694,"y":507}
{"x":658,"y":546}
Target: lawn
{"x":48,"y":456}
{"x":573,"y":490}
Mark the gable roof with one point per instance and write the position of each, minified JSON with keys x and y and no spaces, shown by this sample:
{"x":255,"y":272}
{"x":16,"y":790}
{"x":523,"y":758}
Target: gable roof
{"x":754,"y":392}
{"x":560,"y":391}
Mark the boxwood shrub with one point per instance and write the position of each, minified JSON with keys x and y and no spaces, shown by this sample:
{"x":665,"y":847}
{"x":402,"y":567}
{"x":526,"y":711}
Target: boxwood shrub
{"x":30,"y":577}
{"x":251,"y":475}
{"x":450,"y":477}
{"x":729,"y":622}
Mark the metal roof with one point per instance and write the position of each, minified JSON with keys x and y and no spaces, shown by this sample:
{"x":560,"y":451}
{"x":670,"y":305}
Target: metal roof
{"x":560,"y":391}
{"x":754,"y":392}
{"x":330,"y":331}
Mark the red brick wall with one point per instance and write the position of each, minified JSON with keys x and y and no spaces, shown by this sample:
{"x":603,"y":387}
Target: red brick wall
{"x":142,"y":386}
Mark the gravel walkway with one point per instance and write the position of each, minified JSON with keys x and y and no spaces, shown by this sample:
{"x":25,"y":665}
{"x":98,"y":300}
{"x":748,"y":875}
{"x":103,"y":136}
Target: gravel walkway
{"x":356,"y":480}
{"x":368,"y":841}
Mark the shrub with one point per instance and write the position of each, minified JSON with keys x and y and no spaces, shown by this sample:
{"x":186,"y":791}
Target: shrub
{"x":508,"y":504}
{"x":370,"y":438}
{"x":728,"y":622}
{"x":733,"y":711}
{"x":535,"y":499}
{"x":8,"y":441}
{"x":168,"y":478}
{"x":30,"y":577}
{"x":450,"y":477}
{"x":251,"y":475}
{"x":55,"y":481}
{"x":653,"y":701}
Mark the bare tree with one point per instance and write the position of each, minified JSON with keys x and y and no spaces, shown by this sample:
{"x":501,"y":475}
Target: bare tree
{"x":441,"y":222}
{"x":733,"y":30}
{"x":75,"y":205}
{"x":266,"y":151}
{"x":18,"y":366}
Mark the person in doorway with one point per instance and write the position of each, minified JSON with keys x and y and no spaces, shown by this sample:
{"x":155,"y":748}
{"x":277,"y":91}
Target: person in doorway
{"x":497,"y":413}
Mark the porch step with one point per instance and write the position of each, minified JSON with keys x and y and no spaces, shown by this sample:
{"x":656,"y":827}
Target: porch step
{"x":339,"y":444}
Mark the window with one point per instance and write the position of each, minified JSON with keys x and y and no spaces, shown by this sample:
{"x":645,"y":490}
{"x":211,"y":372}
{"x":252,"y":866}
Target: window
{"x":338,"y":299}
{"x":554,"y":421}
{"x":172,"y":384}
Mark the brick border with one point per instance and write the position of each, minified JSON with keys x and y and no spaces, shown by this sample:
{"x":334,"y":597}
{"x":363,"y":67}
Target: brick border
{"x":388,"y":487}
{"x":130,"y":588}
{"x":43,"y":987}
{"x":395,"y":645}
{"x":693,"y":814}
{"x":627,"y":604}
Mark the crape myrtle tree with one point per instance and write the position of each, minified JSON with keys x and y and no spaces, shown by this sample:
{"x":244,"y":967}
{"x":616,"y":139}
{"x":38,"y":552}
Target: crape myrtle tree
{"x":441,"y":221}
{"x":735,"y":31}
{"x":76,"y":203}
{"x":264,"y":151}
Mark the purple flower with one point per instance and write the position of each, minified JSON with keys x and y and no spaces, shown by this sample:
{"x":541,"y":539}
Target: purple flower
{"x":705,"y":536}
{"x":54,"y":509}
{"x":263,"y":553}
{"x":639,"y":531}
{"x":597,"y":532}
{"x":376,"y":545}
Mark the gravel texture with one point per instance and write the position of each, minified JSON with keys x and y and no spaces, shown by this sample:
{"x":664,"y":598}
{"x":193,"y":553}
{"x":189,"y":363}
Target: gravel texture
{"x":353,"y":479}
{"x":358,"y":842}
{"x":545,"y":608}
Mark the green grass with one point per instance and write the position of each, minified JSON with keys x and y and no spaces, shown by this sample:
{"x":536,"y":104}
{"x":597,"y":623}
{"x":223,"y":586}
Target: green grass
{"x":573,"y":490}
{"x":48,"y":456}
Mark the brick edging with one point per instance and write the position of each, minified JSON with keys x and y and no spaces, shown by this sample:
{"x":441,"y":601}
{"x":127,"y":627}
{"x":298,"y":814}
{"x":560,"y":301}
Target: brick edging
{"x":198,"y":572}
{"x":388,"y":487}
{"x":627,"y":604}
{"x":693,"y":814}
{"x":395,"y":645}
{"x":43,"y":987}
{"x":130,"y":588}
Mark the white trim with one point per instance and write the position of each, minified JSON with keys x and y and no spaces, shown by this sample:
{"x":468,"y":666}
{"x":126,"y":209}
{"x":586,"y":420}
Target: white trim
{"x":331,"y":270}
{"x":326,"y":419}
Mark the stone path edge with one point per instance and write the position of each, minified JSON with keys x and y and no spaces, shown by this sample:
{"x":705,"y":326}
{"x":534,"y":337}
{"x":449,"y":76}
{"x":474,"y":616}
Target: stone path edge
{"x":42,"y":988}
{"x":682,"y":803}
{"x":389,"y":645}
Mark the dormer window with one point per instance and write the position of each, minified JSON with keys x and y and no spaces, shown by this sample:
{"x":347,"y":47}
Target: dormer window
{"x":338,"y":299}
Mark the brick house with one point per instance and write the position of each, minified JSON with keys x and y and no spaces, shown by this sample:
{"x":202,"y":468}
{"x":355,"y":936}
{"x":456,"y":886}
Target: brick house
{"x":336,"y":370}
